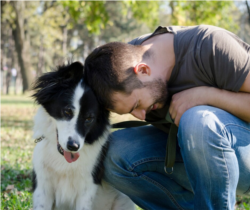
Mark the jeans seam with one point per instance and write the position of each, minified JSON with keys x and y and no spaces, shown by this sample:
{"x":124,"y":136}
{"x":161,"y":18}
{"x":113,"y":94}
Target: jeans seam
{"x":227,"y":182}
{"x":223,"y":130}
{"x":243,"y":127}
{"x":134,"y":165}
{"x":162,"y":188}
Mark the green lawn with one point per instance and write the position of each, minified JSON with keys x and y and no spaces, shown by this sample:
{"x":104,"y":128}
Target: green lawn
{"x":16,"y":153}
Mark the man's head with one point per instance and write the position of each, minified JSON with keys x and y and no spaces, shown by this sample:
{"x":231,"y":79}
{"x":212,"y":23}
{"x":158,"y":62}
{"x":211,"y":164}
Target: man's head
{"x":121,"y":81}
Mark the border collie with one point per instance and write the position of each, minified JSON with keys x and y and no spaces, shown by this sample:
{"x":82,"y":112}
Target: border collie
{"x":71,"y":130}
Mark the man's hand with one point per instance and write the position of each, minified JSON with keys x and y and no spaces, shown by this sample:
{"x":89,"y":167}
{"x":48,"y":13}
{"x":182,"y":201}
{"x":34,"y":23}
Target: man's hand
{"x":185,"y":100}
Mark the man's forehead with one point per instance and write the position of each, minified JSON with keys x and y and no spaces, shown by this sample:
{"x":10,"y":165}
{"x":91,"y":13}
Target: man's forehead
{"x":123,"y":103}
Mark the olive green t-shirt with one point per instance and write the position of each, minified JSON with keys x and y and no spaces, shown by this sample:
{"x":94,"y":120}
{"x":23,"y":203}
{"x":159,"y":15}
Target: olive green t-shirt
{"x":204,"y":56}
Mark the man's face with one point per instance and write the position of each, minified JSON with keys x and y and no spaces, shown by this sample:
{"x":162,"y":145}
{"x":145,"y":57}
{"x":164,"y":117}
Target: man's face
{"x":141,"y":101}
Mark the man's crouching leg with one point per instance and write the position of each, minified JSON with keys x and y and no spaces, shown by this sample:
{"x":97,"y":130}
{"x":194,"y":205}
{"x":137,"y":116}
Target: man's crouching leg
{"x":215,"y":147}
{"x":135,"y":166}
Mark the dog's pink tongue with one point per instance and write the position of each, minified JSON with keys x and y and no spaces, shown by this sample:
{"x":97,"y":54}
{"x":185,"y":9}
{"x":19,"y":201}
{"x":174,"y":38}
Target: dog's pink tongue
{"x":71,"y":157}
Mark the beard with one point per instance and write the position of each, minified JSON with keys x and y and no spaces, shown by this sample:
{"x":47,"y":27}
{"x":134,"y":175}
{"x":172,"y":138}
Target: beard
{"x":158,"y":91}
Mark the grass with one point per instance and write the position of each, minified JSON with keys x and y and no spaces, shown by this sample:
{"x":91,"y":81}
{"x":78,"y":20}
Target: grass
{"x":16,"y":152}
{"x":17,"y":147}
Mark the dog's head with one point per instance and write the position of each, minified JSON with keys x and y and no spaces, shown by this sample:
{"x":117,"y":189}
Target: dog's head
{"x":78,"y":116}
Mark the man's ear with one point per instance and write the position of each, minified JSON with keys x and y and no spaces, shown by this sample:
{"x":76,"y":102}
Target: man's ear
{"x":142,"y":69}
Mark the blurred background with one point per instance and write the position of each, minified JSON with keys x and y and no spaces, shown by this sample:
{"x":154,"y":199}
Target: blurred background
{"x":37,"y":36}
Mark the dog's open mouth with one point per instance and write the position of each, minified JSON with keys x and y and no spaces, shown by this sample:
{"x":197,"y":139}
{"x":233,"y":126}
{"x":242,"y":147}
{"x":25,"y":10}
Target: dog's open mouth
{"x":70,"y":157}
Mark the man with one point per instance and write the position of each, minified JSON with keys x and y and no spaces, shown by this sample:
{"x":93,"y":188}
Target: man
{"x":201,"y":75}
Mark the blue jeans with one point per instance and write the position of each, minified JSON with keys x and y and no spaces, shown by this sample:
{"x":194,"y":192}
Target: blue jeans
{"x":212,"y":162}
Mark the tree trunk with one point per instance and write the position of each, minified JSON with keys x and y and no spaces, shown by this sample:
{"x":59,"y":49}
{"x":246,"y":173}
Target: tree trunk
{"x":40,"y":64}
{"x":65,"y":37}
{"x":22,"y":45}
{"x":173,"y":17}
{"x":248,"y":10}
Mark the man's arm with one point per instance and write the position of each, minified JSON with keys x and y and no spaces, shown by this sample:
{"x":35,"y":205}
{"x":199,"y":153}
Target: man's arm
{"x":236,"y":103}
{"x":225,"y":59}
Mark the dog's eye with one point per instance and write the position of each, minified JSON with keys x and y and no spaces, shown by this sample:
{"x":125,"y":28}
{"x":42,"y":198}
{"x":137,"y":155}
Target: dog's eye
{"x":67,"y":112}
{"x":89,"y":120}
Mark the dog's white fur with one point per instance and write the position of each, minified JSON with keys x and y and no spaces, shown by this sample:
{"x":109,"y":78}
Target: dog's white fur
{"x":67,"y":186}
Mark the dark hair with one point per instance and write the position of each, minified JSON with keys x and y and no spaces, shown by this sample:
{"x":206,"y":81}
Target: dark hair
{"x":109,"y":68}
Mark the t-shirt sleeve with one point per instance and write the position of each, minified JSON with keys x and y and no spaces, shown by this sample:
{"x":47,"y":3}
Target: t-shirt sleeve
{"x":226,"y":60}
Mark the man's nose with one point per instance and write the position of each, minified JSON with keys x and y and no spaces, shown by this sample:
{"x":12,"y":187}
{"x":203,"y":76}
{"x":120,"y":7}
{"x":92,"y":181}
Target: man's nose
{"x":139,"y":114}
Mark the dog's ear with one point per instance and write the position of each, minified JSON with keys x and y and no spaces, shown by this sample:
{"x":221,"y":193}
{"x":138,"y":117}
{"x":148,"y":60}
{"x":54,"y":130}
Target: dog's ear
{"x":72,"y":72}
{"x":51,"y":83}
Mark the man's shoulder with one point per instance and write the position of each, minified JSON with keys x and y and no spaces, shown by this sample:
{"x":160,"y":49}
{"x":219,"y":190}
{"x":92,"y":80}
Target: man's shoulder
{"x":175,"y":30}
{"x":159,"y":30}
{"x":139,"y":40}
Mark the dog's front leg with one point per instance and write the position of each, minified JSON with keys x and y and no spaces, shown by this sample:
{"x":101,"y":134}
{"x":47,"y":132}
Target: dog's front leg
{"x":85,"y":198}
{"x":42,"y":199}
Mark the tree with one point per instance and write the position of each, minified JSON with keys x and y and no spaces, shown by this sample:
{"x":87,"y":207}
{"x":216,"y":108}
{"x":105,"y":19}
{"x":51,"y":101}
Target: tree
{"x":43,"y":32}
{"x":22,"y":43}
{"x":248,"y":11}
{"x":244,"y":20}
{"x":117,"y":21}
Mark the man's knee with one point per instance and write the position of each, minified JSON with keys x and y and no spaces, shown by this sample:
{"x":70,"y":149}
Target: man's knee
{"x":201,"y":127}
{"x":200,"y":120}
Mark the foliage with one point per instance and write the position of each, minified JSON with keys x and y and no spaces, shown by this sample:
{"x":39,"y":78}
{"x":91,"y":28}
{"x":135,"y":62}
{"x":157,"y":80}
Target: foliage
{"x":243,"y":203}
{"x":95,"y":14}
{"x":218,"y":13}
{"x":144,"y":11}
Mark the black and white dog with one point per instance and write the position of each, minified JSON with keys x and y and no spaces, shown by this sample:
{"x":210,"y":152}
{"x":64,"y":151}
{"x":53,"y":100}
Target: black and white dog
{"x":72,"y":130}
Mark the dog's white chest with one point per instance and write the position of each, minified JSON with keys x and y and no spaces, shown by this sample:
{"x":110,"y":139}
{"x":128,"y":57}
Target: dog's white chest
{"x":71,"y":187}
{"x":65,"y":183}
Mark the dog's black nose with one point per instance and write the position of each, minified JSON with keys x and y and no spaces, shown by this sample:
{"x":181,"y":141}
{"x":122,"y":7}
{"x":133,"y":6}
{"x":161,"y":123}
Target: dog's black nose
{"x":72,"y":145}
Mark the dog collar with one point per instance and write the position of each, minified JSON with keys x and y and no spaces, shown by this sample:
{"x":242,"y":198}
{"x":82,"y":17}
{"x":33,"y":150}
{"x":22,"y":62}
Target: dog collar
{"x":39,"y":139}
{"x":59,"y":148}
